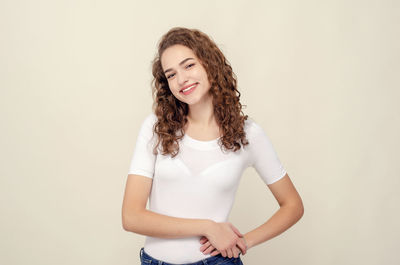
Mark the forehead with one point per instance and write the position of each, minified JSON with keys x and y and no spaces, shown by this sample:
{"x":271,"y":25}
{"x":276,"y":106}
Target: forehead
{"x":173,"y":55}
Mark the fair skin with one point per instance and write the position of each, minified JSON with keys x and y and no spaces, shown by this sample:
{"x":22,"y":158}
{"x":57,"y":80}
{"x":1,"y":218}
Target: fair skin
{"x":182,"y":69}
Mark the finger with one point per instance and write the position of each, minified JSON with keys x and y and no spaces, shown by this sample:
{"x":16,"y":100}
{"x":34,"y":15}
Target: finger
{"x":236,"y":252}
{"x":215,"y":253}
{"x":229,"y":252}
{"x":236,"y":230}
{"x":203,"y":239}
{"x":223,"y":253}
{"x":205,"y":246}
{"x":208,"y":250}
{"x":242,"y":246}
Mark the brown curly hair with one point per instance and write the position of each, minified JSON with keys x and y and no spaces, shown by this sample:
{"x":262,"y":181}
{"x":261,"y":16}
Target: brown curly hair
{"x":172,"y":113}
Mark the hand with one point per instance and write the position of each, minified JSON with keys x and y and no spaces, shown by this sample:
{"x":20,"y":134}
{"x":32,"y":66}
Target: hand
{"x":225,"y":238}
{"x":208,"y":248}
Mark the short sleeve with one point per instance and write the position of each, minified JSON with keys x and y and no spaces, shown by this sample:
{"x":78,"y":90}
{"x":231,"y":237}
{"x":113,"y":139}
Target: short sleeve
{"x":262,"y":155}
{"x":143,"y":159}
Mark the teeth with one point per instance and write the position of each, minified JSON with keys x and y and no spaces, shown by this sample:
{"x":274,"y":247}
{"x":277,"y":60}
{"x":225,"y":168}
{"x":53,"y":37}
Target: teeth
{"x":184,"y":90}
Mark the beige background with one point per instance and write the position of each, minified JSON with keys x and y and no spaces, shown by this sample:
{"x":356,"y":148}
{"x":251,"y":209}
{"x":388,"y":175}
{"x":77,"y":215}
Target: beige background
{"x":321,"y":77}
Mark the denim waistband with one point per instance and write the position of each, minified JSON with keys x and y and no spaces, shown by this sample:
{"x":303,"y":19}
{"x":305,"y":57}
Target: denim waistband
{"x":209,"y":260}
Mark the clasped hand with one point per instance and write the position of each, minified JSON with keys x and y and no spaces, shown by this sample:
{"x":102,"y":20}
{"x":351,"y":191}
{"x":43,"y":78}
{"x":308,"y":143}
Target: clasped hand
{"x":223,"y":238}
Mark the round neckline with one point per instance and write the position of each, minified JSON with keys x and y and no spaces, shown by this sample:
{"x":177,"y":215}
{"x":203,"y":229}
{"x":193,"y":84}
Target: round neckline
{"x":199,"y":144}
{"x":201,"y":141}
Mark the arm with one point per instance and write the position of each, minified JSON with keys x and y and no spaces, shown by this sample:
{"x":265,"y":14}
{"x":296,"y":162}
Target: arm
{"x":136,"y":218}
{"x":290,"y":211}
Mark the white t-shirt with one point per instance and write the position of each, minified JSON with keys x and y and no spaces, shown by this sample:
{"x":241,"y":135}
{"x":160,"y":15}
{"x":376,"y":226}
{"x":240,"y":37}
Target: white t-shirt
{"x":199,"y":183}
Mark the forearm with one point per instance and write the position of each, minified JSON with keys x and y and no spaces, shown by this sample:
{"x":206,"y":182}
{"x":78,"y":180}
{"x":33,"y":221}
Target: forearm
{"x":282,"y":220}
{"x":158,"y":225}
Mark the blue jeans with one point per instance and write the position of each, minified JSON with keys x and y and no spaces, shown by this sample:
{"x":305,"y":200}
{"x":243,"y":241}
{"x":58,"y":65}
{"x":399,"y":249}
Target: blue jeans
{"x":146,"y":259}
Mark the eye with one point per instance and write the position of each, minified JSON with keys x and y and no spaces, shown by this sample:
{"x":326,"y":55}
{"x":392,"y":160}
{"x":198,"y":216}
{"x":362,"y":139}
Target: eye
{"x":189,"y":65}
{"x":171,"y":75}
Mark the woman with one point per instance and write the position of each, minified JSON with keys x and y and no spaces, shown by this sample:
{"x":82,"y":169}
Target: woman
{"x":189,"y":157}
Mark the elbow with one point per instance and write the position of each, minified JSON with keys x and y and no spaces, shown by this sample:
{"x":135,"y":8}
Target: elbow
{"x":129,"y":221}
{"x":126,"y":223}
{"x":300,"y":209}
{"x":297,"y":209}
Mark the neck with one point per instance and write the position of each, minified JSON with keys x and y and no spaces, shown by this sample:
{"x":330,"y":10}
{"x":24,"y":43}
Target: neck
{"x":202,"y":114}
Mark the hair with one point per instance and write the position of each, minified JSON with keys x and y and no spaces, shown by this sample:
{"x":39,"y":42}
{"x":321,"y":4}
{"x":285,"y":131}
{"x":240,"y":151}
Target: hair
{"x":172,"y":113}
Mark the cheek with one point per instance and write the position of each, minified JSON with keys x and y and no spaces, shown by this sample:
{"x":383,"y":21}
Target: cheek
{"x":204,"y":76}
{"x":171,"y":86}
{"x":173,"y":89}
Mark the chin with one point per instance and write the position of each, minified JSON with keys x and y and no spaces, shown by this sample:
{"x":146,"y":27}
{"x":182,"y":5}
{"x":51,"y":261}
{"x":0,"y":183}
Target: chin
{"x":192,"y":101}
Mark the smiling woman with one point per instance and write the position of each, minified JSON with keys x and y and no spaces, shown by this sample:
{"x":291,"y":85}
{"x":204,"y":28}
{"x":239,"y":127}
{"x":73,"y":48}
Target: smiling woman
{"x":189,"y":157}
{"x":186,"y":75}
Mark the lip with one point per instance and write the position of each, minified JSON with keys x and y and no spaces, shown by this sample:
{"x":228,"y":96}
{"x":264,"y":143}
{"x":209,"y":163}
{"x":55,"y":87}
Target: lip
{"x":187,"y":86}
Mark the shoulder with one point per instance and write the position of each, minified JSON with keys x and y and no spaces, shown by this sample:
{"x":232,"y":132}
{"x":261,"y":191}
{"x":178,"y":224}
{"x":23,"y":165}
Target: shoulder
{"x":147,"y":126}
{"x":149,"y":120}
{"x":252,"y":127}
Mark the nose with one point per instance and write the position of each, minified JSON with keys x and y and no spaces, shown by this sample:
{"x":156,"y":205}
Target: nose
{"x":181,"y":78}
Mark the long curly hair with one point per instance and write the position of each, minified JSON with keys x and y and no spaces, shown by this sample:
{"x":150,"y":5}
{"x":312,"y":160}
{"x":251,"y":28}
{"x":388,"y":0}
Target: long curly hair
{"x":172,"y":113}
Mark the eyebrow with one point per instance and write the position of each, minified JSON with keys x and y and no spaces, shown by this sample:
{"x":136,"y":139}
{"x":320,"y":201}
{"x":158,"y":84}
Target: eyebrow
{"x":184,"y":61}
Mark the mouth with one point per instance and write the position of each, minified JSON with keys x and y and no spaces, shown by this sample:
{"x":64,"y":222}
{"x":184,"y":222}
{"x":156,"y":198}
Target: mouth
{"x":188,"y":88}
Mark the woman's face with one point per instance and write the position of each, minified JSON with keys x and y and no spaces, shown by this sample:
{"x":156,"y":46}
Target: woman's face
{"x":187,"y":78}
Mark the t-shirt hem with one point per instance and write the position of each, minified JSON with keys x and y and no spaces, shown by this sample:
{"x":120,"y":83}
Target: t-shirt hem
{"x":141,"y":172}
{"x":281,"y":176}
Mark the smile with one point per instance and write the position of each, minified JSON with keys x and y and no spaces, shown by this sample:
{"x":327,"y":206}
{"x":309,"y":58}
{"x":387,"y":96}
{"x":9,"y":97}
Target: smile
{"x":188,"y":90}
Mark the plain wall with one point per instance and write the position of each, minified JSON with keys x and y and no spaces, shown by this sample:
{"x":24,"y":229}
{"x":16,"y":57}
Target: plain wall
{"x":321,"y":78}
